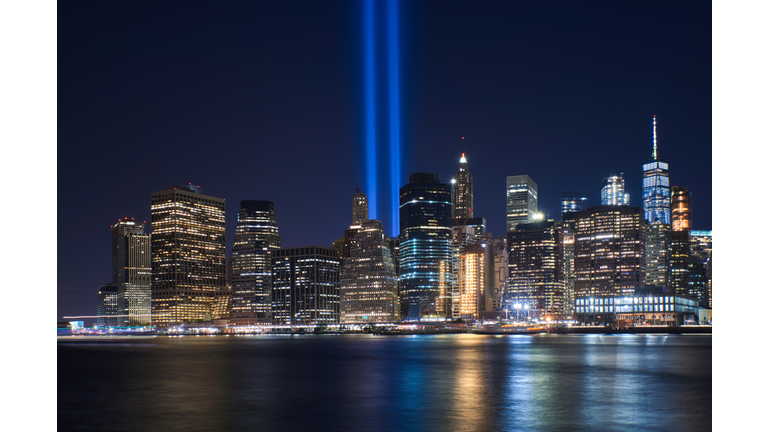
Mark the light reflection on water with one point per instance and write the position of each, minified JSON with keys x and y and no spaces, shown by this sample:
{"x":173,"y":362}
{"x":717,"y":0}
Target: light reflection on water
{"x":362,"y":382}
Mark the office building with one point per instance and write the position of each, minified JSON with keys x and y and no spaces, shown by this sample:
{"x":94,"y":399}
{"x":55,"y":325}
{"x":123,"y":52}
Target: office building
{"x":571,"y":202}
{"x":305,"y":285}
{"x":498,"y":274}
{"x":566,"y":230}
{"x":368,"y":283}
{"x":679,"y":257}
{"x":681,"y":209}
{"x":425,"y":242}
{"x":612,"y":191}
{"x":522,"y":200}
{"x":131,"y":272}
{"x":701,"y":245}
{"x":657,"y":237}
{"x":656,"y":192}
{"x":472,"y":281}
{"x":463,"y":233}
{"x":535,"y":270}
{"x":188,"y":255}
{"x":359,"y":208}
{"x":463,"y":192}
{"x":609,"y":251}
{"x":256,"y":237}
{"x":106,"y":305}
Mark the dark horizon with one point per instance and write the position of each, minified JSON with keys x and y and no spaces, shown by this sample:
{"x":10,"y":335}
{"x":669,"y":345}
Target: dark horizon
{"x":264,"y":102}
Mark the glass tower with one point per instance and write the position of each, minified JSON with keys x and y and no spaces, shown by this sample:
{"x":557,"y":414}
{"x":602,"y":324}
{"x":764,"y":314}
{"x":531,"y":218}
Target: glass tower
{"x":656,"y":192}
{"x":256,"y":236}
{"x":613,"y":191}
{"x":681,"y":209}
{"x":522,"y":200}
{"x":425,"y":242}
{"x":305,"y":285}
{"x":572,"y":202}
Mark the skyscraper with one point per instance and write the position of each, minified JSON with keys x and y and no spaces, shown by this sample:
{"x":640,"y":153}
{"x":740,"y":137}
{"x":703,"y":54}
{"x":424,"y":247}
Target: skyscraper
{"x":535,"y":270}
{"x":359,"y":208}
{"x":131,"y":272}
{"x":656,"y":193}
{"x":522,"y":200}
{"x":657,"y":239}
{"x":681,"y":209}
{"x":612,"y":191}
{"x":572,"y":202}
{"x":472,"y":281}
{"x":305,"y":285}
{"x":368,"y":284}
{"x":188,"y":255}
{"x":463,"y":192}
{"x":610,"y":251}
{"x":256,"y":236}
{"x":463,"y":233}
{"x":425,"y":242}
{"x":106,"y":305}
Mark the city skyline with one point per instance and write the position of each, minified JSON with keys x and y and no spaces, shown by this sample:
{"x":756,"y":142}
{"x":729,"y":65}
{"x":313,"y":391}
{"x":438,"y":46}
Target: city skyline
{"x":296,"y":140}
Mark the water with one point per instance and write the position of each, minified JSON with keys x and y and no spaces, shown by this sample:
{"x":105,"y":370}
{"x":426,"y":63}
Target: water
{"x":387,"y":383}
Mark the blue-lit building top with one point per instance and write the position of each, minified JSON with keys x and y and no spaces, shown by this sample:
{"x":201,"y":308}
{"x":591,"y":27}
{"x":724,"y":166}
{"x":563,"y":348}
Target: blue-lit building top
{"x":425,"y":242}
{"x":572,"y":202}
{"x":656,"y":191}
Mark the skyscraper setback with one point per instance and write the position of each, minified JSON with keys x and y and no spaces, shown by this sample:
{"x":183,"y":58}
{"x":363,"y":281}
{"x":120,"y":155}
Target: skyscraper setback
{"x":463,"y":191}
{"x":188,"y":255}
{"x":256,"y":236}
{"x":656,"y":192}
{"x":131,"y":272}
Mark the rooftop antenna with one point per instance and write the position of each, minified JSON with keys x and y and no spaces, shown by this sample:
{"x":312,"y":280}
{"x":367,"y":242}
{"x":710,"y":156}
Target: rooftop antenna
{"x":654,"y":137}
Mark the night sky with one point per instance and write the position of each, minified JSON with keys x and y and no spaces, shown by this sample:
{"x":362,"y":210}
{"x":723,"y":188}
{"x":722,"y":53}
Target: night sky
{"x":264,"y":101}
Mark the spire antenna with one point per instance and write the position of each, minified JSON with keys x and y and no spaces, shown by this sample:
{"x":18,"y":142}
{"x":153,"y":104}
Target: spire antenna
{"x":654,"y":137}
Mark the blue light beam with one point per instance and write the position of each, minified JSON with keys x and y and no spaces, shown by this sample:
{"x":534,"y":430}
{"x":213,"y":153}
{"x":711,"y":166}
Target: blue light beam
{"x":370,"y":105}
{"x":393,"y":57}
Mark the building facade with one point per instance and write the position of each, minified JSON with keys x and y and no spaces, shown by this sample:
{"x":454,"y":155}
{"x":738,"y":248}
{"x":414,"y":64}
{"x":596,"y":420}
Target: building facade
{"x":657,"y":239}
{"x":368,"y":282}
{"x":681,"y":209}
{"x":132,"y":272}
{"x":425,"y":243}
{"x":472,"y":281}
{"x":463,"y":192}
{"x":535,"y":270}
{"x":305,"y":285}
{"x":609,"y":251}
{"x":188,"y":255}
{"x":613,"y":191}
{"x":256,"y":237}
{"x":359,"y":207}
{"x":463,"y":233}
{"x":522,"y":200}
{"x":656,"y":191}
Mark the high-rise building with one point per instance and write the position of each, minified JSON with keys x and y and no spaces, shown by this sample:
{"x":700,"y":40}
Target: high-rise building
{"x":535,"y":271}
{"x":679,"y":256}
{"x":567,"y":237}
{"x":612,"y":191}
{"x":462,"y":235}
{"x":472,"y":281}
{"x":681,"y":209}
{"x":701,"y":245}
{"x":522,"y":200}
{"x":657,"y":238}
{"x":131,"y":272}
{"x":425,"y":242}
{"x":463,"y":192}
{"x":188,"y":255}
{"x":368,"y":283}
{"x":610,"y":251}
{"x":656,"y":192}
{"x":571,"y":202}
{"x":359,"y":208}
{"x":498,"y":272}
{"x":106,"y":305}
{"x":256,"y":236}
{"x":305,"y":285}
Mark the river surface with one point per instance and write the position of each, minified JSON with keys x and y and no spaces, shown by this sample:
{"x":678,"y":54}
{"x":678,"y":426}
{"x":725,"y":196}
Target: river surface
{"x":387,"y":383}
